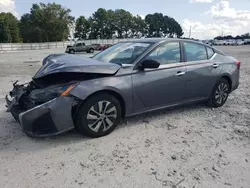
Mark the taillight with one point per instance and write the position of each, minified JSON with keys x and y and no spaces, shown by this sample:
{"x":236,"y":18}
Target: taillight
{"x":238,"y":64}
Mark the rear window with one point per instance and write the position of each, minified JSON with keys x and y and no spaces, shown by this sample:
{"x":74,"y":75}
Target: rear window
{"x":210,"y":52}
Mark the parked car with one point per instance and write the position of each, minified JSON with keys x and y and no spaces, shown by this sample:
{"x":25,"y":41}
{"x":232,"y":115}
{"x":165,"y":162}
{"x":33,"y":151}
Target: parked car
{"x":96,"y":46}
{"x":228,"y":42}
{"x":101,"y":47}
{"x":232,"y":42}
{"x":80,"y":47}
{"x":129,"y":78}
{"x":219,"y":42}
{"x":207,"y":42}
{"x":239,"y":42}
{"x":104,"y":47}
{"x":246,"y":41}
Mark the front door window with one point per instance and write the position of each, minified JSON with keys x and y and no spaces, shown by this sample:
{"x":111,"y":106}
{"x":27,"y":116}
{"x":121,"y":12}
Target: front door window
{"x":167,"y":53}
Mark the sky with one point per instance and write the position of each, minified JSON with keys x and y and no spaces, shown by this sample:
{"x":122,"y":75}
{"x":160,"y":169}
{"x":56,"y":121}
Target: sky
{"x":207,"y":18}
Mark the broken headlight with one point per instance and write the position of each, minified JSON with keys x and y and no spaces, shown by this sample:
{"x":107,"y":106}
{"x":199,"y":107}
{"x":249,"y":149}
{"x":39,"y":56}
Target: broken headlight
{"x":51,"y":92}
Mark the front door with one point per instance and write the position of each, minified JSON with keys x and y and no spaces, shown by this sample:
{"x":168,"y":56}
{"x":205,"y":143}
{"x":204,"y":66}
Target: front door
{"x":79,"y":47}
{"x":162,"y":86}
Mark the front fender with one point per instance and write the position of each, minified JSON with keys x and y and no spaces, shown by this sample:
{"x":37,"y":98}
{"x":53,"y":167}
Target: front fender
{"x":121,"y":85}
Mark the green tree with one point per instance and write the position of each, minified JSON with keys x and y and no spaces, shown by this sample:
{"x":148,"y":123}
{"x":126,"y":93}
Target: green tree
{"x":108,"y":23}
{"x":154,"y":23}
{"x":245,"y":36}
{"x":50,"y":22}
{"x":166,"y":26}
{"x":99,"y":23}
{"x":174,"y":28}
{"x":4,"y":31}
{"x":123,"y":21}
{"x":102,"y":24}
{"x":45,"y":23}
{"x":28,"y":31}
{"x":162,"y":26}
{"x":82,"y":28}
{"x":138,"y":27}
{"x":9,"y":28}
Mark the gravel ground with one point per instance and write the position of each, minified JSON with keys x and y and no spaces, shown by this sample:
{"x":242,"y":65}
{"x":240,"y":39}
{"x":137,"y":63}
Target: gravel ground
{"x":193,"y":146}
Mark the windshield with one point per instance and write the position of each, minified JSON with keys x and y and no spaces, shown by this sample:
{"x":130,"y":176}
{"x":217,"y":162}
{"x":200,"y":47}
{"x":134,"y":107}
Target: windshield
{"x":123,"y":53}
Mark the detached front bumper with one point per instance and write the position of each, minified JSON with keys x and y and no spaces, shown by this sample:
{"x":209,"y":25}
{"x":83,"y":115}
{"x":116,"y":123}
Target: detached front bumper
{"x":48,"y":119}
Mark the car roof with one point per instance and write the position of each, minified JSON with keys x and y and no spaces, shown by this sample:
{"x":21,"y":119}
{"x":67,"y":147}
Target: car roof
{"x":159,"y":40}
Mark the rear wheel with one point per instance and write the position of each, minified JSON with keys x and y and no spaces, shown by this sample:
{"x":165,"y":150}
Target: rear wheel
{"x":220,"y":93}
{"x":91,"y":50}
{"x":99,"y":115}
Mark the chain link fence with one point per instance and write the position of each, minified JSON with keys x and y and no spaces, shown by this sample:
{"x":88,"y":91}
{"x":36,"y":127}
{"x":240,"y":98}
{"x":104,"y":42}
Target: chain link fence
{"x":50,"y":45}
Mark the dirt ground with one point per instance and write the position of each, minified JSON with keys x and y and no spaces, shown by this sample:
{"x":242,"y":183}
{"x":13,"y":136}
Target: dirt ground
{"x":192,"y":147}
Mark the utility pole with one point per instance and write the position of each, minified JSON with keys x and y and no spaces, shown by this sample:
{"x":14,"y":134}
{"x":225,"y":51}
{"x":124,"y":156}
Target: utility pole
{"x":190,"y":30}
{"x":222,"y":33}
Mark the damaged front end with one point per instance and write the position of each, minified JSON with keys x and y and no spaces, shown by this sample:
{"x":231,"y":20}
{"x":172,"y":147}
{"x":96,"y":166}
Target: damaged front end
{"x":44,"y":106}
{"x":42,"y":111}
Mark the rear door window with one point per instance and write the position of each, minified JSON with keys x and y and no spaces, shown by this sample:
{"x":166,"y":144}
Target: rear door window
{"x":195,"y":52}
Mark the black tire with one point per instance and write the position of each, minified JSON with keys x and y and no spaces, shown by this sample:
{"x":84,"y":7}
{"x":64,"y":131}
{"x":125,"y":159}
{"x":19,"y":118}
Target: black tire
{"x":214,"y":100}
{"x":91,"y":50}
{"x":71,"y":51}
{"x":82,"y":121}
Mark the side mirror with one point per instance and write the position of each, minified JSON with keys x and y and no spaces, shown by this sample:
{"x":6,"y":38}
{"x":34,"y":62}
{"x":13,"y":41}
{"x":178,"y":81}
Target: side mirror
{"x":149,"y":64}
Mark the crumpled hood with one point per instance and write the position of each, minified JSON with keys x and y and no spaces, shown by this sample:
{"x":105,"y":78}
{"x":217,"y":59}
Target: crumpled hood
{"x":58,"y":63}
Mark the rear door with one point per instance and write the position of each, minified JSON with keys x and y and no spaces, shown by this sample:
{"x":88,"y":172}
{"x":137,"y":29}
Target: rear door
{"x":202,"y":71}
{"x":162,"y":86}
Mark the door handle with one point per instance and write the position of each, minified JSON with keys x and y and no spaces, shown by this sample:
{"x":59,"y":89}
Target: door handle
{"x":180,"y":73}
{"x":215,"y":65}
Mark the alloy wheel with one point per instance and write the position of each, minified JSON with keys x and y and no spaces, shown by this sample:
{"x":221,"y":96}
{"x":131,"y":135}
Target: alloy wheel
{"x":101,"y":116}
{"x":221,"y":93}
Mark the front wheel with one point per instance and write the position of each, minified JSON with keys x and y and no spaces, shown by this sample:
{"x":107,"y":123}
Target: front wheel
{"x":220,"y":93}
{"x":71,"y":51}
{"x":99,"y":115}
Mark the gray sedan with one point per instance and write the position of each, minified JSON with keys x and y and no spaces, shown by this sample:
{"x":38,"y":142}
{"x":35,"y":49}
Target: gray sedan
{"x":129,"y":78}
